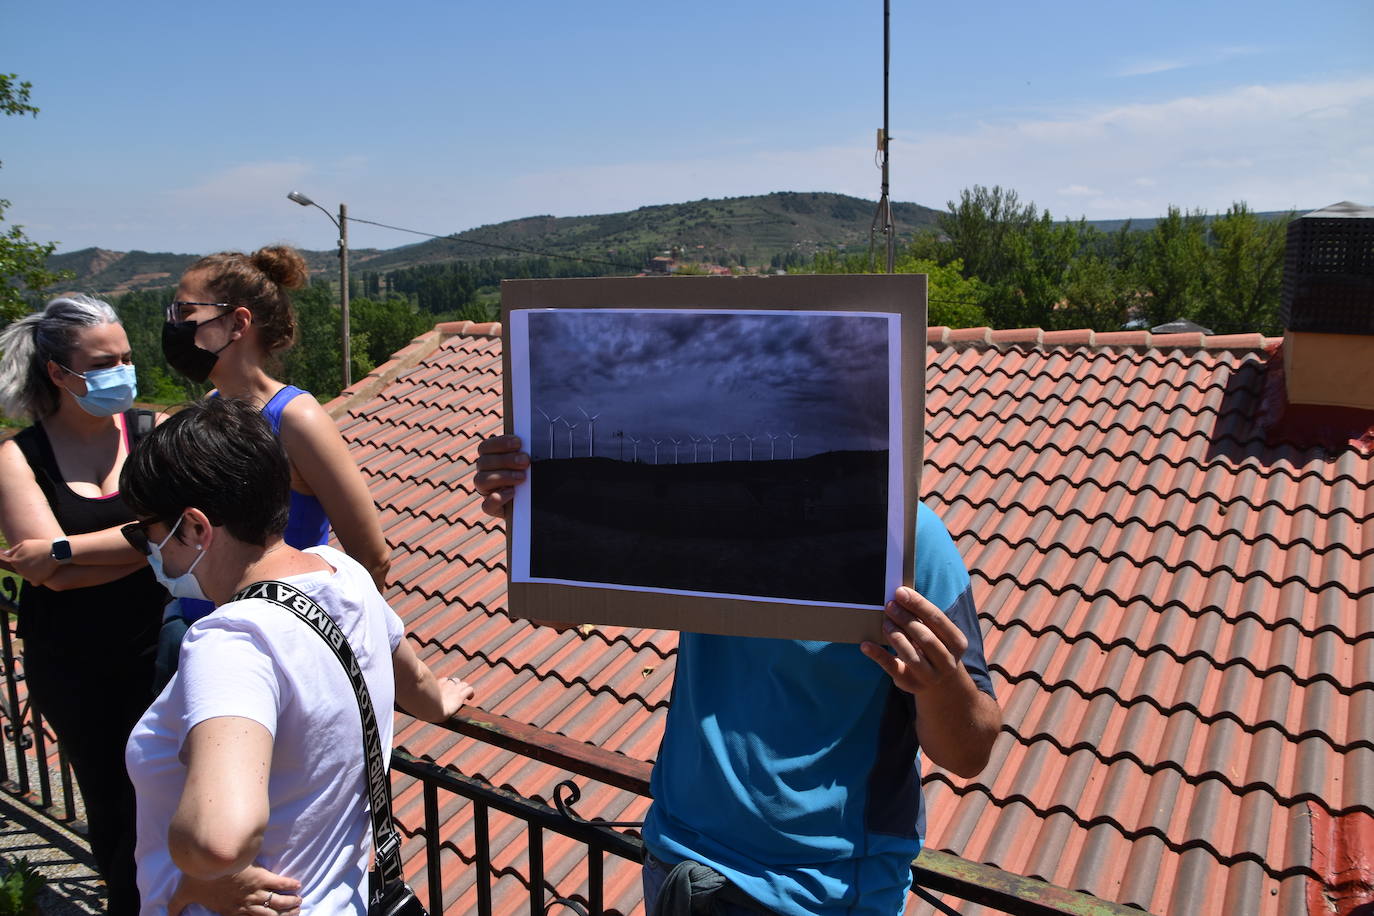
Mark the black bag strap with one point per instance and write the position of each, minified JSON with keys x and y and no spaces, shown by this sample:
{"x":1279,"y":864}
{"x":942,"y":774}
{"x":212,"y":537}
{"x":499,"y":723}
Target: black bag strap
{"x":384,"y":838}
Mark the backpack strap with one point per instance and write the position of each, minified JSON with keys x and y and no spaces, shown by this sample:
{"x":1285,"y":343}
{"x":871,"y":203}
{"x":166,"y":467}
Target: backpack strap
{"x":139,"y":423}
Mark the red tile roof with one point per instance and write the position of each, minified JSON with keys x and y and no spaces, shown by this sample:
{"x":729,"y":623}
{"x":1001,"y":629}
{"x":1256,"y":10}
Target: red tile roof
{"x":1177,"y":595}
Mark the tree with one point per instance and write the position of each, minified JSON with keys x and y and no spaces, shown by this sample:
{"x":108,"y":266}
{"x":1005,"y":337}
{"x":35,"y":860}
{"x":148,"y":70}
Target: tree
{"x":1172,"y":264}
{"x":1244,"y":277}
{"x":23,"y":263}
{"x":953,"y":300}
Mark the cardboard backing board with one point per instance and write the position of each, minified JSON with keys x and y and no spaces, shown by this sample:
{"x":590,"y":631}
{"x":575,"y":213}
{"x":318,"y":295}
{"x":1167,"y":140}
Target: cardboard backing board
{"x":740,"y":613}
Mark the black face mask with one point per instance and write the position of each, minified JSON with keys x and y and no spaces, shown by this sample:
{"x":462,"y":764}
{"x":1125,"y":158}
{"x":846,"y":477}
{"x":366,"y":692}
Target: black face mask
{"x":182,"y":354}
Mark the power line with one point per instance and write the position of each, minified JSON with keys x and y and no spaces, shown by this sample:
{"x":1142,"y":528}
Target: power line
{"x":452,"y":236}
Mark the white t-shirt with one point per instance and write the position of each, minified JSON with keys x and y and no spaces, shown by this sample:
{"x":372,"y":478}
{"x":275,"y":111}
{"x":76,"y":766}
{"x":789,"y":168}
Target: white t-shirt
{"x":257,"y":660}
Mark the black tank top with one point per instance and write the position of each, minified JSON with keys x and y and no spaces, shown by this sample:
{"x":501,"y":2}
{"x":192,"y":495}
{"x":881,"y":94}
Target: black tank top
{"x":119,"y":616}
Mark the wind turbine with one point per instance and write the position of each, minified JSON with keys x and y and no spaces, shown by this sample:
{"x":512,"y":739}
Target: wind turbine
{"x":696,"y":441}
{"x":731,"y":439}
{"x":751,"y":445}
{"x":676,"y":444}
{"x":591,"y":431}
{"x":657,"y":443}
{"x":635,"y":442}
{"x":772,"y":446}
{"x":552,"y":421}
{"x":712,"y":440}
{"x":793,"y":443}
{"x":571,"y":427}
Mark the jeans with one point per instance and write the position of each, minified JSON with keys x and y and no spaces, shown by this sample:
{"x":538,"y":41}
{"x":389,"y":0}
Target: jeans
{"x":655,"y":872}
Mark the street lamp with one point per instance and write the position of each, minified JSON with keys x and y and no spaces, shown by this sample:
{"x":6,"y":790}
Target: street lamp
{"x":342,"y":224}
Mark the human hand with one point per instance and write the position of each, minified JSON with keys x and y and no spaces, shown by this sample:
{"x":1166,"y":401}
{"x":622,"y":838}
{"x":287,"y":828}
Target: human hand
{"x":500,"y":466}
{"x":252,"y":892}
{"x":453,"y":693}
{"x":928,"y":647}
{"x":31,"y":560}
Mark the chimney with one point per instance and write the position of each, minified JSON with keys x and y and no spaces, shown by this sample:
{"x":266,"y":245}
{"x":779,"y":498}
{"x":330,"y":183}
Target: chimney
{"x":1328,"y":308}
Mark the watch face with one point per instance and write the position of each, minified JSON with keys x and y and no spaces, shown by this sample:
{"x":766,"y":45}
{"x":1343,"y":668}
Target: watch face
{"x":61,"y":550}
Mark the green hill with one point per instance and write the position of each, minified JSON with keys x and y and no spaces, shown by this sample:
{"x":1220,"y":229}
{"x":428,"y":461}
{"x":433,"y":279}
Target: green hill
{"x":754,"y":228}
{"x":751,"y":230}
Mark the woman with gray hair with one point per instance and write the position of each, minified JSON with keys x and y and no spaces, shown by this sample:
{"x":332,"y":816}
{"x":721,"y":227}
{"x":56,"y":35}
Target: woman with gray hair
{"x":90,"y":607}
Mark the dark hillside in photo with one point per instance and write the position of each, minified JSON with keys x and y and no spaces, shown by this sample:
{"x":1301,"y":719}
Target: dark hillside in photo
{"x":810,"y":529}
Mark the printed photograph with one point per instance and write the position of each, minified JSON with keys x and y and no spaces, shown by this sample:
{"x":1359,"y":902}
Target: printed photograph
{"x":732,"y":453}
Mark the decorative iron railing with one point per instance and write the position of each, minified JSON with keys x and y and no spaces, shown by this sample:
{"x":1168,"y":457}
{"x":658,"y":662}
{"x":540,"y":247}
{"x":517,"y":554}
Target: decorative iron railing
{"x":935,"y":873}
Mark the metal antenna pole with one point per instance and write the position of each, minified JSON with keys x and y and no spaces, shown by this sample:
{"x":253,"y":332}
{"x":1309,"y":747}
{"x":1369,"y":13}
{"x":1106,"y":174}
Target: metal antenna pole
{"x":343,"y":296}
{"x":882,"y":219}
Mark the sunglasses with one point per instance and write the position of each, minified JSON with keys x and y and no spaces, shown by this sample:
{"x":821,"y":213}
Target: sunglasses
{"x":137,"y":536}
{"x":181,"y":308}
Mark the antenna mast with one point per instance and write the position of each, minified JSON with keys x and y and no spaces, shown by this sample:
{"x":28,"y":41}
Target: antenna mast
{"x":882,"y":219}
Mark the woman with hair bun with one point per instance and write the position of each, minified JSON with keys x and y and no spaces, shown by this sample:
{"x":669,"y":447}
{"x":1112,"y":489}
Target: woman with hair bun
{"x":90,"y":606}
{"x":231,"y":313}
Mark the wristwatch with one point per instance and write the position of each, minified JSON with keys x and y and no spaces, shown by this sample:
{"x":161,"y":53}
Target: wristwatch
{"x":61,"y":550}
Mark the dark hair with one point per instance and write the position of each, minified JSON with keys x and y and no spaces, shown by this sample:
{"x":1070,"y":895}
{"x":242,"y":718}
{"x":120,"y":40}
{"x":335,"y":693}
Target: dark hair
{"x":28,"y":344}
{"x":259,"y":282}
{"x":219,"y":456}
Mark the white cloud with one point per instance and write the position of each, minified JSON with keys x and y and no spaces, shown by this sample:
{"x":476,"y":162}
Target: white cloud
{"x":1145,"y":68}
{"x":1258,"y":144}
{"x":234,"y":184}
{"x":1148,"y":66}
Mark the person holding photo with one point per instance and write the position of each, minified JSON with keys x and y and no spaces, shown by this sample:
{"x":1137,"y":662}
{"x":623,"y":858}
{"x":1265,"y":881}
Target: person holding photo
{"x":791,"y":769}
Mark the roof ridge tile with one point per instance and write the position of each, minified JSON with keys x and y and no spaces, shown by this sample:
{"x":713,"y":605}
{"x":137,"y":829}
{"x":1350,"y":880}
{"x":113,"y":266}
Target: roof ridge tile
{"x":941,"y":336}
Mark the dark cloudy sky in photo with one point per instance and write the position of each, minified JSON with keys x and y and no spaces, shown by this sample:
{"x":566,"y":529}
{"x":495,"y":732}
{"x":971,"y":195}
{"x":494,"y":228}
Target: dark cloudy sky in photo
{"x":664,"y":375}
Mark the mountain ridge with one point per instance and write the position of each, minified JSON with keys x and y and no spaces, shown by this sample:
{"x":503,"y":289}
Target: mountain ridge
{"x":748,"y":230}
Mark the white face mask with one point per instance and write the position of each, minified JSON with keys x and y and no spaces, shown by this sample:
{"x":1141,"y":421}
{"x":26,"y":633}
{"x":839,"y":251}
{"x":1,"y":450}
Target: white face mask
{"x":184,"y":585}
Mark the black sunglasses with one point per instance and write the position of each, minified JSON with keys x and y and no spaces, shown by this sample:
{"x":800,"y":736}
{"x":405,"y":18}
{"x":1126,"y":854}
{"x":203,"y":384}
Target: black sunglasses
{"x":137,"y":536}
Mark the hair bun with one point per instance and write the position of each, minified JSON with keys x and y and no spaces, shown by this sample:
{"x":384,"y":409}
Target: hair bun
{"x":283,"y":265}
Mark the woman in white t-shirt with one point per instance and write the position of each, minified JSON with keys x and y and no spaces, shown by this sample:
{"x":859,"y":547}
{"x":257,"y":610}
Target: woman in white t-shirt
{"x":250,"y":763}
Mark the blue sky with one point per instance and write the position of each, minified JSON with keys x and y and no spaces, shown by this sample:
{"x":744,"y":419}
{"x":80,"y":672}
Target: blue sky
{"x":182,"y":126}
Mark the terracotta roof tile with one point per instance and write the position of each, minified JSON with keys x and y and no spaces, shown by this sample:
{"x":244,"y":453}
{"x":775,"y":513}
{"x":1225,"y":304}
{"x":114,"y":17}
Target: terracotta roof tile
{"x":1179,"y":618}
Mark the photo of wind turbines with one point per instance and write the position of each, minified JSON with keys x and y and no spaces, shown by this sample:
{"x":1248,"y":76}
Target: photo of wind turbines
{"x":732,"y":453}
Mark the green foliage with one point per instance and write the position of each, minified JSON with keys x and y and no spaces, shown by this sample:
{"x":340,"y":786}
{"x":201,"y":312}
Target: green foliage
{"x":953,"y":299}
{"x":1244,"y":279}
{"x":1172,"y":267}
{"x":22,"y":261}
{"x":387,"y":326}
{"x":19,"y":886}
{"x":1020,"y":269}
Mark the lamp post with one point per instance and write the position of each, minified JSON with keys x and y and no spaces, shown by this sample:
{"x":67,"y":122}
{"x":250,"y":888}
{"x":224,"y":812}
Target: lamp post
{"x":342,"y":224}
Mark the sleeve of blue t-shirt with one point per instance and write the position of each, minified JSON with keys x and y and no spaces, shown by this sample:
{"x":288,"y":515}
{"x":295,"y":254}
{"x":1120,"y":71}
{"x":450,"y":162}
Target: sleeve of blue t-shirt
{"x":943,"y":580}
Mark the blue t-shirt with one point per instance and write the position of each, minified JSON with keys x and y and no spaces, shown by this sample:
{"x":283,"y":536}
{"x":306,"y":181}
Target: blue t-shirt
{"x":306,"y":523}
{"x":792,"y":767}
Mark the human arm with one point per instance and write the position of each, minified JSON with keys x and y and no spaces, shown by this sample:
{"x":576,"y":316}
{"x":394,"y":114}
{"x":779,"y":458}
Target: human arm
{"x":318,"y":454}
{"x":422,"y":694}
{"x":956,"y":723}
{"x":245,"y":893}
{"x":65,"y":578}
{"x":30,"y":528}
{"x":219,"y":821}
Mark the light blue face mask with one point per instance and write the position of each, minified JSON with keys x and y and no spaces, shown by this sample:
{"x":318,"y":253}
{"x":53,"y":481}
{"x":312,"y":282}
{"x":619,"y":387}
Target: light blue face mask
{"x":184,"y":585}
{"x":108,"y":391}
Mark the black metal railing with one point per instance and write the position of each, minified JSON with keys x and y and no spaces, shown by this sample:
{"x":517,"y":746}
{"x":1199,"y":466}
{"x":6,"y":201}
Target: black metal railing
{"x":26,"y":742}
{"x":934,"y":872}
